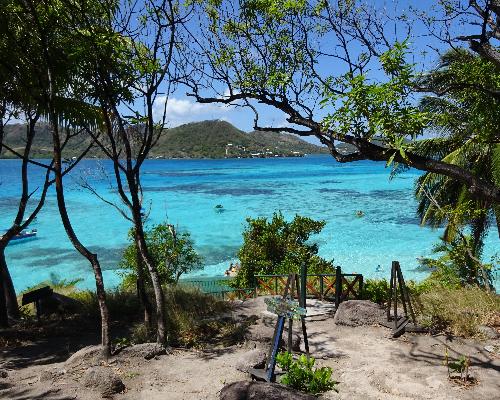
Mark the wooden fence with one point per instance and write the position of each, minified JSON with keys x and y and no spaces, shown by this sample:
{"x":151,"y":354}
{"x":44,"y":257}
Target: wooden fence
{"x":336,"y":287}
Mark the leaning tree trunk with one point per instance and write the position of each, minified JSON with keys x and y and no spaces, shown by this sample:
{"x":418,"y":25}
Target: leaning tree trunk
{"x":8,"y":287}
{"x":155,"y":280}
{"x":91,"y":257}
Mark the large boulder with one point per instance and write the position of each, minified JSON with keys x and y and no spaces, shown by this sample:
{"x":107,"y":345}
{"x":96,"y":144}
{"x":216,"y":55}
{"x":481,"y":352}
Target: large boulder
{"x":358,"y":313}
{"x":90,"y":355}
{"x":143,"y":350}
{"x":244,"y":390}
{"x":104,"y":380}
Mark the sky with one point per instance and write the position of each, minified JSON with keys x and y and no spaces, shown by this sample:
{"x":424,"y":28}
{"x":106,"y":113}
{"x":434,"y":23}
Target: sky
{"x":183,"y":109}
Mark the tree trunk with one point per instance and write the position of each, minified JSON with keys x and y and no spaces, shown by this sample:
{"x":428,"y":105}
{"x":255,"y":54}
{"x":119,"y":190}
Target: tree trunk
{"x":155,"y":280}
{"x":141,"y":291}
{"x":91,"y":257}
{"x":8,"y":287}
{"x":4,"y":319}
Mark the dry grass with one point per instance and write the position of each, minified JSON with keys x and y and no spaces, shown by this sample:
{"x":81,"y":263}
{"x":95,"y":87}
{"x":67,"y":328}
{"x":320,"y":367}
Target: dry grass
{"x":458,"y":311}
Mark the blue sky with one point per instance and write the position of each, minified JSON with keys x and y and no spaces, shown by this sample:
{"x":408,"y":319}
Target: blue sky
{"x":182,"y":109}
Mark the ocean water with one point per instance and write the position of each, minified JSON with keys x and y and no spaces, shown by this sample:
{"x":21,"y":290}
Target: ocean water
{"x":186,"y":191}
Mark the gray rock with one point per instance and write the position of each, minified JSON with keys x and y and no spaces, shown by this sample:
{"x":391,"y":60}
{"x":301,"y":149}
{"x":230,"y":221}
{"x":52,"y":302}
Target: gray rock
{"x":103,"y":380}
{"x":358,"y":313}
{"x":90,"y":355}
{"x":50,"y":374}
{"x":143,"y":350}
{"x":245,"y":390}
{"x":251,"y":359}
{"x":488,"y":332}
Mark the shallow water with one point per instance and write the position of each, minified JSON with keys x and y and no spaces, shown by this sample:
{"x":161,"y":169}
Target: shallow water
{"x":186,"y":192}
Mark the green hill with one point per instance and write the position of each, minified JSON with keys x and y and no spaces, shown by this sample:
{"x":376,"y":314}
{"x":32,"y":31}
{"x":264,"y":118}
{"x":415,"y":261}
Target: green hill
{"x":206,"y":139}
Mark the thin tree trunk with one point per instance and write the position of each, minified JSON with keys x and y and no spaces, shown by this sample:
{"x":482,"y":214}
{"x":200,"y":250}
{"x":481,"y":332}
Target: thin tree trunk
{"x":141,"y":291}
{"x":4,"y":319}
{"x":155,"y":280}
{"x":91,"y":257}
{"x":8,"y":287}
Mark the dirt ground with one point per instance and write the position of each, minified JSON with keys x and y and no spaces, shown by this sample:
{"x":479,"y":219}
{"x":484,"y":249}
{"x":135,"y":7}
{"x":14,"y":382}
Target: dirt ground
{"x":367,"y":363}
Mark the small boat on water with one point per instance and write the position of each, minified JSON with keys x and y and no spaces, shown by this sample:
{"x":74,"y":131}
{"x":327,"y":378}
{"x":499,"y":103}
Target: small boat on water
{"x":25,"y":234}
{"x":219,"y":208}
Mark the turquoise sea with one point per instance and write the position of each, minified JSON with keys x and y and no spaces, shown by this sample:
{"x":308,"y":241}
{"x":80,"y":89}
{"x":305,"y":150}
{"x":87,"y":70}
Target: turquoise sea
{"x":186,"y":191}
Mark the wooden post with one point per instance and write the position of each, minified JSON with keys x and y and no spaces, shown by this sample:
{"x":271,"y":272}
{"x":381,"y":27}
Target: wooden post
{"x":389,"y":296}
{"x":395,"y":294}
{"x":321,"y":287}
{"x":338,"y":286}
{"x":303,"y":284}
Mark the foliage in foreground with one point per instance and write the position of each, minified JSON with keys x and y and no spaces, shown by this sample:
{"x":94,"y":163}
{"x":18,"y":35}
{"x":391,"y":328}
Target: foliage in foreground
{"x":193,"y":319}
{"x":301,"y":374}
{"x":278,"y":246}
{"x":172,"y":252}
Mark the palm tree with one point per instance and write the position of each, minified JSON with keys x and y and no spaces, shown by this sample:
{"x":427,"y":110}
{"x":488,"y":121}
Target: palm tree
{"x":466,"y":120}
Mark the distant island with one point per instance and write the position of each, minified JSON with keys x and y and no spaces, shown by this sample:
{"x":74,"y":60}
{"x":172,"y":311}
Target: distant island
{"x":205,"y":139}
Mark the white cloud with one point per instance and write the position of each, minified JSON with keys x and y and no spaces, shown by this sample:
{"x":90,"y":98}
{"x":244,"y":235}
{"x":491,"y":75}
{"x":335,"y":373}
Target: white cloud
{"x":181,"y":111}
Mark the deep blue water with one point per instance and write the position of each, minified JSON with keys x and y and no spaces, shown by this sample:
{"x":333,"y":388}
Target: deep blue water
{"x":186,"y":191}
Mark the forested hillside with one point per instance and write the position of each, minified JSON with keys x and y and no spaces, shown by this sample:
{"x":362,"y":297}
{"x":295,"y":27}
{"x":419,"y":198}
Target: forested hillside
{"x":206,"y":139}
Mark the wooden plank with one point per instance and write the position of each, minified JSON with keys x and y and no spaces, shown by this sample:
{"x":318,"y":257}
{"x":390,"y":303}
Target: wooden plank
{"x":36,"y":295}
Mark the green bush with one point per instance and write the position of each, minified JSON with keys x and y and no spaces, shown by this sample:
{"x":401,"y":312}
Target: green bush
{"x":172,"y":253}
{"x":302,"y":375}
{"x":279,"y":247}
{"x":376,"y":290}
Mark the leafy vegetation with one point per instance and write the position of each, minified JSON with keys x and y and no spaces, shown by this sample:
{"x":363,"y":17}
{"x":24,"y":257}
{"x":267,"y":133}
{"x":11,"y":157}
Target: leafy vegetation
{"x":278,"y":246}
{"x":457,"y":266}
{"x":173,"y":254}
{"x":301,"y":374}
{"x":376,"y":290}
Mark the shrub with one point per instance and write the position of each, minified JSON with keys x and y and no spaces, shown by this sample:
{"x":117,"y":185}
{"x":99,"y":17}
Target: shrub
{"x":376,"y":290}
{"x":172,"y":253}
{"x":279,"y":247}
{"x":302,"y":375}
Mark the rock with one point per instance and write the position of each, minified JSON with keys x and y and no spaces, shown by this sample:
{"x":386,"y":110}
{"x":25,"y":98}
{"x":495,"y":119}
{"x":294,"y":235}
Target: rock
{"x":251,"y":359}
{"x":488,"y":332}
{"x":104,"y":380}
{"x":359,"y":312}
{"x":245,"y":390}
{"x":50,"y":375}
{"x":143,"y":350}
{"x":3,"y":373}
{"x":90,"y":355}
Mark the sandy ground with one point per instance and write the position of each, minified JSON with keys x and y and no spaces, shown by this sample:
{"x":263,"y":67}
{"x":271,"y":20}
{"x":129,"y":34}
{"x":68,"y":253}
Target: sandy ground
{"x":367,"y":363}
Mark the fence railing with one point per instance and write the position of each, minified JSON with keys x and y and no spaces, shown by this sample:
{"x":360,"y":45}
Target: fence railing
{"x":336,"y":287}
